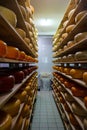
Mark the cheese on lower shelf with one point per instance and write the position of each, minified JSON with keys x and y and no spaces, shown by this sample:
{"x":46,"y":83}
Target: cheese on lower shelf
{"x":80,"y":36}
{"x":25,"y":111}
{"x":3,"y":48}
{"x":21,"y":32}
{"x":12,"y":106}
{"x":18,"y":124}
{"x":26,"y":124}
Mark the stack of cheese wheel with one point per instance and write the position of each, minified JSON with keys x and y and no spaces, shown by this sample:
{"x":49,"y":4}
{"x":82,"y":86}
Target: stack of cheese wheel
{"x":19,"y":123}
{"x":12,"y":106}
{"x":9,"y":15}
{"x":3,"y":48}
{"x":80,"y":15}
{"x":6,"y":83}
{"x":21,"y":95}
{"x":81,"y":55}
{"x":12,"y":53}
{"x":78,"y":110}
{"x":5,"y":121}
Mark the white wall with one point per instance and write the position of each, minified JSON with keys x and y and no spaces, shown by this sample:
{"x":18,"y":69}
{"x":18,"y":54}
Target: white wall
{"x":45,"y":54}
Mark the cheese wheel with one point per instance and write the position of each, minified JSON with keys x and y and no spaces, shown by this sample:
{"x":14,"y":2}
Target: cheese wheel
{"x":70,"y":43}
{"x":65,"y":23}
{"x":32,"y":8}
{"x":76,"y":73}
{"x":22,"y":55}
{"x":66,"y":107}
{"x":28,"y":89}
{"x":71,"y":13}
{"x":6,"y":83}
{"x":61,"y":89}
{"x":67,"y":71}
{"x":21,"y":95}
{"x":78,"y":91}
{"x":26,"y":124}
{"x":68,"y":97}
{"x":77,"y":109}
{"x":12,"y":52}
{"x":27,"y":40}
{"x":21,"y":32}
{"x":70,"y":58}
{"x":23,"y":10}
{"x":85,"y":101}
{"x":26,"y":111}
{"x":80,"y":36}
{"x":81,"y":55}
{"x":19,"y":76}
{"x":18,"y":124}
{"x":85,"y":123}
{"x":9,"y":15}
{"x":5,"y":121}
{"x":64,"y":35}
{"x":85,"y":77}
{"x":12,"y":106}
{"x":3,"y":48}
{"x":73,"y":120}
{"x":70,"y":28}
{"x":80,"y":15}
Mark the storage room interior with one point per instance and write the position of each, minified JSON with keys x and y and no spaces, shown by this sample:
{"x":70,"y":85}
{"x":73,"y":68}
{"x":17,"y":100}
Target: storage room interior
{"x":43,"y":64}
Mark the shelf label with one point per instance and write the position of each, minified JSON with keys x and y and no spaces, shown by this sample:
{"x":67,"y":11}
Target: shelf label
{"x":20,"y":65}
{"x":65,"y":65}
{"x":71,"y":65}
{"x":4,"y":65}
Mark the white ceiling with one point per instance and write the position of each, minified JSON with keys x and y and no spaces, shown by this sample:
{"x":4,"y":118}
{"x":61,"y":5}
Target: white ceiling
{"x":51,"y":10}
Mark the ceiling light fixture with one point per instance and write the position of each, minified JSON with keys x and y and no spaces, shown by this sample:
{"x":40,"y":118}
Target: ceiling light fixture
{"x":45,"y":22}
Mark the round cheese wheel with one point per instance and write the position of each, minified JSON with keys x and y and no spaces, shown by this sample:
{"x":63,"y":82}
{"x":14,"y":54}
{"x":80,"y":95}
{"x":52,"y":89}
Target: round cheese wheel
{"x":65,"y":23}
{"x":85,"y":123}
{"x":22,"y":55}
{"x":28,"y":88}
{"x":85,"y":77}
{"x":70,"y":43}
{"x":29,"y":102}
{"x":32,"y":8}
{"x":26,"y":111}
{"x":23,"y":10}
{"x":80,"y":15}
{"x":70,"y":58}
{"x":76,"y":73}
{"x":21,"y":95}
{"x":85,"y":101}
{"x":12,"y":52}
{"x":27,"y":40}
{"x":80,"y":36}
{"x":3,"y":48}
{"x":61,"y":99}
{"x":6,"y":83}
{"x":68,"y":97}
{"x":29,"y":11}
{"x":21,"y":32}
{"x":77,"y":109}
{"x":61,"y":89}
{"x":81,"y":55}
{"x":64,"y":35}
{"x":12,"y":106}
{"x":18,"y":124}
{"x":67,"y":71}
{"x":70,"y":28}
{"x":71,"y":13}
{"x":19,"y":76}
{"x":9,"y":15}
{"x":5,"y":121}
{"x":79,"y":91}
